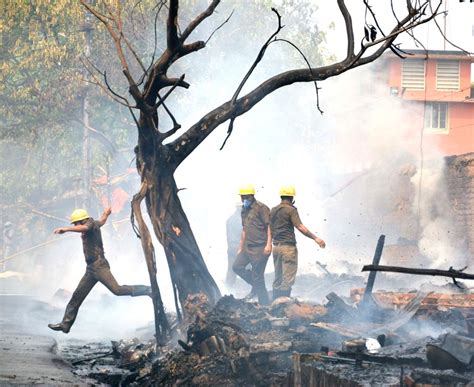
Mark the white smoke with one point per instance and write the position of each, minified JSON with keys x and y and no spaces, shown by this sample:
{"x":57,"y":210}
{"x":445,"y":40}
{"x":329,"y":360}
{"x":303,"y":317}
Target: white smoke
{"x":348,"y":166}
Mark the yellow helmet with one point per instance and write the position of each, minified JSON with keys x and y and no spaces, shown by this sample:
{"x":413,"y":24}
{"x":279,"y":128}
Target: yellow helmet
{"x":287,"y":190}
{"x":248,"y":189}
{"x":78,"y":215}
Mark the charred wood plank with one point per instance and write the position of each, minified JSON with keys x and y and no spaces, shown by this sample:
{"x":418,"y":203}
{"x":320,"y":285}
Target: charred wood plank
{"x":94,"y":357}
{"x":383,"y":359}
{"x":375,"y":262}
{"x":451,"y":273}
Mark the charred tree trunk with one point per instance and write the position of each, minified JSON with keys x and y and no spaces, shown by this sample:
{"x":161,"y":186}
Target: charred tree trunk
{"x":161,"y":322}
{"x":156,"y":165}
{"x":188,"y":270}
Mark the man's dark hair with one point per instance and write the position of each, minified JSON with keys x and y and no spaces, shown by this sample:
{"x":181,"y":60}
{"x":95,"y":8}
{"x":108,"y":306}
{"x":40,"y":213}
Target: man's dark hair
{"x":289,"y":198}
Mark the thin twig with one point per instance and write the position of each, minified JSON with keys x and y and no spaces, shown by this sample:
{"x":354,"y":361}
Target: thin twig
{"x":258,"y":59}
{"x":249,"y":73}
{"x":175,"y":123}
{"x":134,"y":53}
{"x":118,"y":46}
{"x":155,"y":42}
{"x":219,"y":27}
{"x":111,"y":90}
{"x":388,"y":39}
{"x":90,"y":63}
{"x":394,"y":48}
{"x":445,"y":38}
{"x":199,"y":19}
{"x":309,"y":67}
{"x":106,"y":90}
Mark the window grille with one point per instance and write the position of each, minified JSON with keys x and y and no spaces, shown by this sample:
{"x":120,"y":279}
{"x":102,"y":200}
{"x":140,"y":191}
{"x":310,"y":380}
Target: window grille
{"x":436,"y":117}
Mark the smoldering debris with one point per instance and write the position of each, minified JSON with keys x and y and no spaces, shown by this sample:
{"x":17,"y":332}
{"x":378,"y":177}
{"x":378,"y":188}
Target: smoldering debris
{"x":118,"y":363}
{"x":294,"y":343}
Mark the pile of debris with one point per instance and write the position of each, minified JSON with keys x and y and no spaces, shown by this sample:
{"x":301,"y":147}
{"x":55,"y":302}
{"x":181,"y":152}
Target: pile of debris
{"x":299,"y":344}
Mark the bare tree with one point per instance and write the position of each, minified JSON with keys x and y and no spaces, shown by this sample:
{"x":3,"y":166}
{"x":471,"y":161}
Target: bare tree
{"x":157,"y":162}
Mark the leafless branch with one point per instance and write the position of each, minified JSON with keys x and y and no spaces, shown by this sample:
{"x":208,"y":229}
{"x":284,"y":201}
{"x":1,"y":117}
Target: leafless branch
{"x":175,"y":48}
{"x":172,"y":26}
{"x":445,"y":38}
{"x":103,"y":18}
{"x":108,"y":92}
{"x":218,"y":28}
{"x":155,"y":42}
{"x":189,"y":48}
{"x":388,"y":40}
{"x":172,"y":131}
{"x":259,"y":57}
{"x":309,"y":67}
{"x":138,"y":5}
{"x":142,"y":231}
{"x":249,"y":73}
{"x":118,"y":46}
{"x":91,"y":64}
{"x":395,"y":49}
{"x":133,"y":51}
{"x":162,"y":100}
{"x":112,"y":91}
{"x":199,"y":19}
{"x":229,"y":132}
{"x":411,"y":11}
{"x":349,"y":30}
{"x":176,"y":126}
{"x":189,"y":140}
{"x":165,"y":82}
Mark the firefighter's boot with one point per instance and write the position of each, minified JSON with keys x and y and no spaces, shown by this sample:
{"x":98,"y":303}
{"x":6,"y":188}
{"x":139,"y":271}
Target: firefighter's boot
{"x":276,"y":294}
{"x":59,"y":327}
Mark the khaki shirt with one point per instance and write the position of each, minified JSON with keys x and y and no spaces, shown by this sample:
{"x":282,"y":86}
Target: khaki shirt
{"x":283,"y":220}
{"x":92,"y":241}
{"x":255,"y":222}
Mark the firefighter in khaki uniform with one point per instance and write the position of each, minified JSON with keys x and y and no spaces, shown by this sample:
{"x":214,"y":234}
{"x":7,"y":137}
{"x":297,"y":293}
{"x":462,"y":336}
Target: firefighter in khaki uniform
{"x":283,"y":220}
{"x":98,"y":269}
{"x":255,"y":243}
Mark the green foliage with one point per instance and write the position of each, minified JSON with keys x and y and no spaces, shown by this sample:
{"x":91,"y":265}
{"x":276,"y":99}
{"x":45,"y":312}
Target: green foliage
{"x":42,"y":85}
{"x":40,"y":71}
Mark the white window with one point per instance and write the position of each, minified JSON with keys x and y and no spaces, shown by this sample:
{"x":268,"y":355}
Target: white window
{"x":447,"y":75}
{"x":436,"y":117}
{"x":413,"y":74}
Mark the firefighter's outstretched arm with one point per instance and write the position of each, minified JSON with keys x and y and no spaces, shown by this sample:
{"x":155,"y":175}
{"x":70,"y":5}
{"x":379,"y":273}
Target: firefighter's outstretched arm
{"x":105,"y":215}
{"x":303,"y":230}
{"x":78,"y":228}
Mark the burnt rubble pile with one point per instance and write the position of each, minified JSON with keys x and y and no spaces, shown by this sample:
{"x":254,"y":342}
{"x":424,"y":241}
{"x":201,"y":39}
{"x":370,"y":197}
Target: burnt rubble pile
{"x":291,"y":343}
{"x":119,"y":363}
{"x":240,"y":343}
